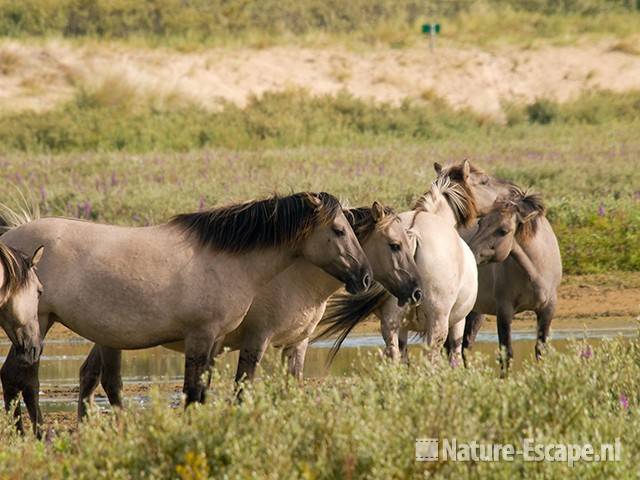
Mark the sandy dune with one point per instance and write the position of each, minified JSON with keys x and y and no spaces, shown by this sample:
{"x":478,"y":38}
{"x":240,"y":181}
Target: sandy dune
{"x":38,"y":76}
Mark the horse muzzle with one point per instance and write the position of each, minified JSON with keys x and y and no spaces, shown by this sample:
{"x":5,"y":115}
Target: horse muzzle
{"x":361,"y":282}
{"x":412,"y":296}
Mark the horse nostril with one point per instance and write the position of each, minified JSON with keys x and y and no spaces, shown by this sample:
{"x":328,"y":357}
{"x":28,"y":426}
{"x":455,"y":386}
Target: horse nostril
{"x":417,"y":295}
{"x":366,"y":281}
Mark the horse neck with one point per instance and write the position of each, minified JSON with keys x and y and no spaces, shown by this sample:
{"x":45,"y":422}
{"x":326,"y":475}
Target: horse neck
{"x":441,"y":208}
{"x":262,"y":265}
{"x":318,"y":285}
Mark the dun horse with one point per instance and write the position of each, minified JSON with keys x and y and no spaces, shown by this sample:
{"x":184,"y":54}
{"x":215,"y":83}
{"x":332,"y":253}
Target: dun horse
{"x":20,"y":290}
{"x":287,"y":310}
{"x":448,"y":272}
{"x":192,"y":279}
{"x":529,"y":278}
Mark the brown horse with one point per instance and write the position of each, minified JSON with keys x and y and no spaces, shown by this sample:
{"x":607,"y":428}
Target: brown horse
{"x":191,"y":279}
{"x":20,"y":290}
{"x":529,"y":277}
{"x":287,"y":309}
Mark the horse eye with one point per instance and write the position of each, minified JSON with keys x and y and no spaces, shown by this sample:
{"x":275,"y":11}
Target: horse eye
{"x":502,"y":232}
{"x":39,"y":292}
{"x":395,"y":247}
{"x":339,"y":232}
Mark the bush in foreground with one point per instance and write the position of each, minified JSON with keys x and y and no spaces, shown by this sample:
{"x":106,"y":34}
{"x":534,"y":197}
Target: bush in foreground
{"x":363,"y":426}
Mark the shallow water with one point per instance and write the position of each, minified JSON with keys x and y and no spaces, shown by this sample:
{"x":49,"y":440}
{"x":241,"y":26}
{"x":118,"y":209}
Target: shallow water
{"x":62,"y":358}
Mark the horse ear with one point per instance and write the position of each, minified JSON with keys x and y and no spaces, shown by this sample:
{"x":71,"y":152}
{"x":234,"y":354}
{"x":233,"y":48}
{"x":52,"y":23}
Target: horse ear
{"x":37,"y":256}
{"x":466,"y":170}
{"x":437,"y":167}
{"x":377,"y":210}
{"x":312,"y":200}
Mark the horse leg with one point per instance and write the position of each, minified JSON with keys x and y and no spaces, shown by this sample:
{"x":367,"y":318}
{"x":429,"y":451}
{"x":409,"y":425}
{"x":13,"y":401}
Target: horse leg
{"x":90,"y":373}
{"x":250,"y":356}
{"x":11,"y":377}
{"x":403,"y":344}
{"x":295,"y":355}
{"x":17,"y":378}
{"x":456,"y":332}
{"x":505,"y":317}
{"x":16,"y":375}
{"x":31,"y":396}
{"x":111,"y":378}
{"x":437,"y":326}
{"x":197,"y":362}
{"x":390,"y":323}
{"x":544,"y":317}
{"x":472,"y":326}
{"x":390,"y":336}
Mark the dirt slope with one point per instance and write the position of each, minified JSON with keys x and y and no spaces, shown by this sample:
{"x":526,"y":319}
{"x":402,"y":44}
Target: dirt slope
{"x":38,"y":75}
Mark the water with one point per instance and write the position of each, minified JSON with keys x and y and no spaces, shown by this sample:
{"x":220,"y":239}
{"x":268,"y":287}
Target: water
{"x":62,"y":359}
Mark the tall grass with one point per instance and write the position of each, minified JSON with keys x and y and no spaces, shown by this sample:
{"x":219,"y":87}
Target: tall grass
{"x":112,"y":117}
{"x":392,"y":21}
{"x":364,"y":426}
{"x":587,"y":173}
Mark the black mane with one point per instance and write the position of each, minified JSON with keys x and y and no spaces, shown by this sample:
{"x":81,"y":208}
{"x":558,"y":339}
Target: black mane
{"x":271,"y":222}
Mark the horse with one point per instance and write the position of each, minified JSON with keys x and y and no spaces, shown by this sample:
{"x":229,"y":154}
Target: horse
{"x":20,"y":290}
{"x":287,"y":310}
{"x":449,"y":276}
{"x":522,"y":279}
{"x":190,"y":279}
{"x":528,"y":279}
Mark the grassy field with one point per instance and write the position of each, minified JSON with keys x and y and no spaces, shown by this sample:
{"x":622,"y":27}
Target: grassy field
{"x":281,"y":430}
{"x":582,"y":156}
{"x":198,"y":23}
{"x":107,"y":150}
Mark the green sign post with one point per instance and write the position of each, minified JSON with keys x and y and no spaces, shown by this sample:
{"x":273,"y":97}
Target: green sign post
{"x":431,"y":29}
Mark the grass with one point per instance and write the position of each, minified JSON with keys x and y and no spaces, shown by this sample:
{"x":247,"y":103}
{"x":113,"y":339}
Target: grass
{"x":189,"y":25}
{"x":364,"y":426}
{"x":112,"y":116}
{"x":587,"y":172}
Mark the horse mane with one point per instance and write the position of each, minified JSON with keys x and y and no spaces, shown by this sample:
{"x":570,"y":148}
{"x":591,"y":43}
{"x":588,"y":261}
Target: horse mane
{"x":526,"y":202}
{"x":16,"y":271}
{"x":362,"y":223}
{"x":458,"y":196}
{"x":272,"y":222}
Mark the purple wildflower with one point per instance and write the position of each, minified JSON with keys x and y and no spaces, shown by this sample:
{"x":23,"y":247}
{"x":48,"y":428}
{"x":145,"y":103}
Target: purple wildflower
{"x":84,"y":210}
{"x":43,"y":194}
{"x":624,"y":401}
{"x":601,"y":211}
{"x":202,"y":203}
{"x":586,"y":352}
{"x":114,"y":179}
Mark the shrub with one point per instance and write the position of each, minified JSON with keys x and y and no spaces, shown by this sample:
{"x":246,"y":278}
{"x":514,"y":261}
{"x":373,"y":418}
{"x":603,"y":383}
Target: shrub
{"x":363,"y":426}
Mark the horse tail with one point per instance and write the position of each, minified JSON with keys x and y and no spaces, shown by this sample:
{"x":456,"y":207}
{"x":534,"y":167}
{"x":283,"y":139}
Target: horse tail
{"x":344,"y":312}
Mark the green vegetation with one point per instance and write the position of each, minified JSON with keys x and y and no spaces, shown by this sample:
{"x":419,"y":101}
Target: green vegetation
{"x":584,"y":160}
{"x":363,"y":427}
{"x":111,"y":118}
{"x":389,"y":21}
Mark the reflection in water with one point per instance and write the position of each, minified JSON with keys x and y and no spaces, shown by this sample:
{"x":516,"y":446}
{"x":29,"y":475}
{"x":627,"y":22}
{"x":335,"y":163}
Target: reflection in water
{"x":62,"y":359}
